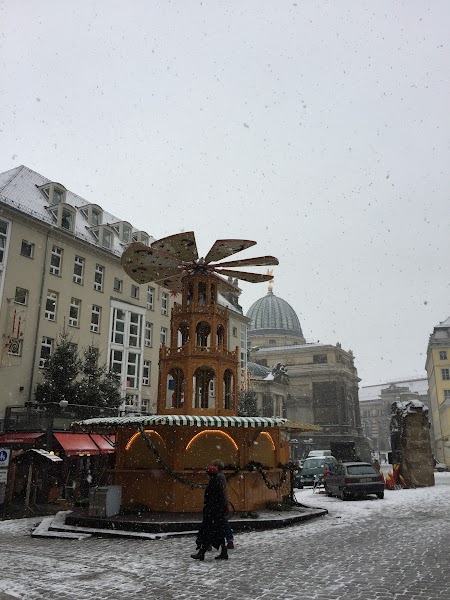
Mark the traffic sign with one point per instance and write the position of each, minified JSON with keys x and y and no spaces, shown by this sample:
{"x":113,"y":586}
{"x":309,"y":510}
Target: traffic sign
{"x":5,"y":455}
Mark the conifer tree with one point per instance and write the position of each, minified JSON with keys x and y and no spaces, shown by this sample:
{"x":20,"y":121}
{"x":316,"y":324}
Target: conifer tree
{"x":97,"y":385}
{"x":60,"y":373}
{"x":247,"y":404}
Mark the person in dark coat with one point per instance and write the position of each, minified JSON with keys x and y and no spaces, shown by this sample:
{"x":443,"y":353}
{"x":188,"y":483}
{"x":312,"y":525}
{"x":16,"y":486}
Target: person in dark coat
{"x":212,"y":529}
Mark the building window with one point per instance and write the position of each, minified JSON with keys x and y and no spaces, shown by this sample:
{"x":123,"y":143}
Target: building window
{"x":235,"y":332}
{"x":146,"y":372}
{"x":93,"y":214}
{"x":74,"y":314}
{"x":118,"y":285}
{"x":319,"y":359}
{"x":51,"y":305}
{"x":164,"y":303}
{"x":133,"y":370}
{"x":107,"y":238}
{"x":96,"y":315}
{"x":78,"y":270}
{"x":67,"y":219}
{"x":163,"y":336}
{"x":445,"y":374}
{"x":58,"y":195}
{"x":447,"y":395}
{"x":140,"y":236}
{"x":148,"y":334}
{"x":3,"y":239}
{"x":96,"y":217}
{"x":115,"y":361}
{"x":443,"y":355}
{"x":46,"y":351}
{"x":21,"y":296}
{"x":118,"y":330}
{"x":135,"y":292}
{"x":98,"y":278}
{"x":150,"y":298}
{"x":27,"y":249}
{"x":272,"y":342}
{"x":56,"y":261}
{"x":134,"y":337}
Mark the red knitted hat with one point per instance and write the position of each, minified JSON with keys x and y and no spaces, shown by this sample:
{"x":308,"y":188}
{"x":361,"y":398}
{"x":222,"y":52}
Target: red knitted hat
{"x":212,"y":470}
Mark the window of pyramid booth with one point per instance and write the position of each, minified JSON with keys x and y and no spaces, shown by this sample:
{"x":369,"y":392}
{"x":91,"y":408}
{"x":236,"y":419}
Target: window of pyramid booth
{"x":139,"y":456}
{"x":263,"y":450}
{"x":208,"y":445}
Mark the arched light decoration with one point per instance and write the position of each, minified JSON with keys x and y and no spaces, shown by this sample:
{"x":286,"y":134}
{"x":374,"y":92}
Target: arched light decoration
{"x":269,"y":437}
{"x":131,"y":440}
{"x":201,"y":433}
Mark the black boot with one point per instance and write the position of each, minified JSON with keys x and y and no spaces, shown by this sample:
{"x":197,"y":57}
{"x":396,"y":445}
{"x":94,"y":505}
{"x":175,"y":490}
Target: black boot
{"x":223,"y":554}
{"x":200,"y":554}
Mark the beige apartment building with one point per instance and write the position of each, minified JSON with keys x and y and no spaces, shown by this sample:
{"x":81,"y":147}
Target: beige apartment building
{"x":60,"y":268}
{"x":438,"y":371}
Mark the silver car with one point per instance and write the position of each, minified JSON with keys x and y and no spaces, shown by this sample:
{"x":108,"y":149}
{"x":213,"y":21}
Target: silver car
{"x":354,"y":480}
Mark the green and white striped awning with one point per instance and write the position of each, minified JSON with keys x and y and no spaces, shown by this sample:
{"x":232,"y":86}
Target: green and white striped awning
{"x":190,"y":420}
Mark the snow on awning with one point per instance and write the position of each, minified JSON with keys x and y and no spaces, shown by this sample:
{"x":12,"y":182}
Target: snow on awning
{"x":45,"y":454}
{"x":189,"y":420}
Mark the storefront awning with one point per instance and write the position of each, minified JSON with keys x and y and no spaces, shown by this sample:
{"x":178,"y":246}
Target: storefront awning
{"x":77,"y":443}
{"x":19,"y":438}
{"x":45,"y":454}
{"x":190,"y":420}
{"x":105,"y":443}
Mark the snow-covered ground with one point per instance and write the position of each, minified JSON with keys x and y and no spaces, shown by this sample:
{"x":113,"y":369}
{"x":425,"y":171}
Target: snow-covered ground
{"x":395,"y":548}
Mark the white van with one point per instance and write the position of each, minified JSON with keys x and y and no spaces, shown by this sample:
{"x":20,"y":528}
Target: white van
{"x":317,"y":453}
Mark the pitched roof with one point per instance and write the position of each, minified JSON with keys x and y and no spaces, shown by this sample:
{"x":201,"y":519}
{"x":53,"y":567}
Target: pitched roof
{"x":19,"y":189}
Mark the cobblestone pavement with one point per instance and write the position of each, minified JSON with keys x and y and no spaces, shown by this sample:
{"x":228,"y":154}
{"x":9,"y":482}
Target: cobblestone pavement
{"x":396,"y":548}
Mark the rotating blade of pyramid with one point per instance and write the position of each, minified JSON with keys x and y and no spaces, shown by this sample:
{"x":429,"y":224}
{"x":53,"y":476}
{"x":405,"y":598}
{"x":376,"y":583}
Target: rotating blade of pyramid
{"x":143,"y":263}
{"x":172,"y":283}
{"x":251,"y":277}
{"x":258,"y":261}
{"x":181,"y":245}
{"x":223,"y":248}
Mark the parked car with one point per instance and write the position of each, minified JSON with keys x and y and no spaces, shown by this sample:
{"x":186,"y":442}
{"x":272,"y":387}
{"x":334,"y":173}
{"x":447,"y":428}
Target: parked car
{"x":353,"y":480}
{"x":440,"y":467}
{"x":312,"y":470}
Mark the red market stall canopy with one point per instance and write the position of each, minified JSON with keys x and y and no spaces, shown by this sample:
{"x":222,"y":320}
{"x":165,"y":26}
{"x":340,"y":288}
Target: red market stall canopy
{"x":75,"y":444}
{"x":20,"y":438}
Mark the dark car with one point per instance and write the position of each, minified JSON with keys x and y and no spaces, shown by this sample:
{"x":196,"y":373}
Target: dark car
{"x":354,"y":480}
{"x":312,"y":470}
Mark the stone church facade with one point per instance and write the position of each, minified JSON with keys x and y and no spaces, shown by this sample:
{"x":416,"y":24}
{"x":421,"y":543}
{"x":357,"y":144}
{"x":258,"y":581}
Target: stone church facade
{"x":323,"y":378}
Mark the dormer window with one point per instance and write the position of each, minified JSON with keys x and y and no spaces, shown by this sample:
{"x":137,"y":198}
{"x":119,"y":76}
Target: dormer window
{"x":54,"y":192}
{"x":93,"y":213}
{"x":141,"y":236}
{"x":104,"y":235}
{"x":64,"y":215}
{"x":123,"y":230}
{"x":107,"y":238}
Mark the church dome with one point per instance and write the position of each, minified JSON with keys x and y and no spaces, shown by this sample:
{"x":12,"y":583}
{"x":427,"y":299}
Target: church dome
{"x":273,"y":315}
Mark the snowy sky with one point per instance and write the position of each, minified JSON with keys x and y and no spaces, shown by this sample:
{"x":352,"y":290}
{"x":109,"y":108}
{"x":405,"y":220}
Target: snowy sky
{"x":318,"y":129}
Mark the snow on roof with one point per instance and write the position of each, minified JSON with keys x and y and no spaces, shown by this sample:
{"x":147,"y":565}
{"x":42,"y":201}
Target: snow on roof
{"x":290,"y":347}
{"x":373,"y":392}
{"x":19,"y":188}
{"x":411,"y":406}
{"x":445,"y":323}
{"x":189,"y":420}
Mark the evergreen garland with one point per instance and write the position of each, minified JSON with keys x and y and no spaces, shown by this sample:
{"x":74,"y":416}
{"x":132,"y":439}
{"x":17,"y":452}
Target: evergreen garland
{"x":251,"y":466}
